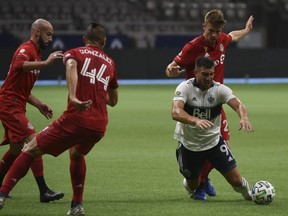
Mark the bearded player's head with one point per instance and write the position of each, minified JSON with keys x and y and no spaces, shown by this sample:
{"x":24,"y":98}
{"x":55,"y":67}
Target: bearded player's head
{"x":41,"y":33}
{"x":213,"y":25}
{"x":95,"y":35}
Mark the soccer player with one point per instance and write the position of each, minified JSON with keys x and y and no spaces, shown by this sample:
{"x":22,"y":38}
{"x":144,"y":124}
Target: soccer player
{"x":197,"y":107}
{"x":213,"y":43}
{"x":16,"y":92}
{"x":92,"y":84}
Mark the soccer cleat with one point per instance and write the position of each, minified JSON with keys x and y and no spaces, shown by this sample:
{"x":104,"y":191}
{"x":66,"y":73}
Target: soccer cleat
{"x":244,"y":190}
{"x":77,"y":210}
{"x":50,"y":196}
{"x":208,"y":187}
{"x":189,"y":191}
{"x":200,"y":194}
{"x":2,"y":199}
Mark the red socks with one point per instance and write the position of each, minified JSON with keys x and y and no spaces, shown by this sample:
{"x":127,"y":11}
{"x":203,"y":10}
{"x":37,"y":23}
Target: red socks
{"x":37,"y":167}
{"x":207,"y":167}
{"x":17,"y":171}
{"x":78,"y":174}
{"x":5,"y":164}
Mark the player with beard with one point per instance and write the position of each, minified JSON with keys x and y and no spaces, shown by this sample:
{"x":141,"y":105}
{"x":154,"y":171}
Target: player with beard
{"x":16,"y":93}
{"x":92,"y":85}
{"x":212,"y":43}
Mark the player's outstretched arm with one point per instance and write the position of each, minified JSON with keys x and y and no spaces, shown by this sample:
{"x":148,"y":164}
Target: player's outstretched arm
{"x":242,"y":112}
{"x":32,"y":65}
{"x":238,"y":34}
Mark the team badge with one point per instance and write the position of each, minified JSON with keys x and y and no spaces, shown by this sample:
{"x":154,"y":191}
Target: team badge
{"x":221,"y":47}
{"x":211,"y":99}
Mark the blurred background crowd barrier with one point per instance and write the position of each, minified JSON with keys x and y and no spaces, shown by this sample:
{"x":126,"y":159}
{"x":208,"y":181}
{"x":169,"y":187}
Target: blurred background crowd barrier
{"x":145,"y":35}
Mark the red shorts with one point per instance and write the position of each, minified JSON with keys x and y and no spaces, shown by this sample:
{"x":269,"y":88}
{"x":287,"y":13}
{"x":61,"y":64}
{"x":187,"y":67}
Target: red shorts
{"x":63,"y":133}
{"x":17,"y":127}
{"x":224,"y":126}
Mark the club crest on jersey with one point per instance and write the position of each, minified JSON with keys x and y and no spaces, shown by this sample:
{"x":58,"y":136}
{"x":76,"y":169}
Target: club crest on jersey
{"x":221,"y":47}
{"x":211,"y":99}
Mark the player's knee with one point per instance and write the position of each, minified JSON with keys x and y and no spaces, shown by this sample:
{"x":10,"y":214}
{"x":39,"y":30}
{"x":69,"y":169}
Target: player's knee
{"x":74,"y":154}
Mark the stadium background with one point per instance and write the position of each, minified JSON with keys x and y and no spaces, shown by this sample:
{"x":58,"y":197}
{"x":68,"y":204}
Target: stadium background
{"x":145,"y":35}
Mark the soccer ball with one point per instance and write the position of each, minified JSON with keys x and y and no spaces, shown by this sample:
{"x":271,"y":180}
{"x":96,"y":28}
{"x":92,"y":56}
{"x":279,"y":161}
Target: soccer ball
{"x":263,"y":193}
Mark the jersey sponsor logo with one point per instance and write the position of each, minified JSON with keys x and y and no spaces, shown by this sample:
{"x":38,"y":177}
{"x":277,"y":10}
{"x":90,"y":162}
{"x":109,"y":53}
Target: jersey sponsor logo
{"x":203,"y":113}
{"x":220,"y":60}
{"x":35,"y":72}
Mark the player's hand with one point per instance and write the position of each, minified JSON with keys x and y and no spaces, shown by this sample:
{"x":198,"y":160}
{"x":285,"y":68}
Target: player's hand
{"x":174,"y":70}
{"x":46,"y":111}
{"x":53,"y":56}
{"x":81,"y":105}
{"x":249,"y":23}
{"x":204,"y":123}
{"x":245,"y":125}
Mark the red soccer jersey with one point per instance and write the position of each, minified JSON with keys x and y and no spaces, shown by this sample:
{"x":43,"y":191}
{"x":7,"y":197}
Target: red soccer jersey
{"x":18,"y":83}
{"x":96,"y":74}
{"x":200,"y":47}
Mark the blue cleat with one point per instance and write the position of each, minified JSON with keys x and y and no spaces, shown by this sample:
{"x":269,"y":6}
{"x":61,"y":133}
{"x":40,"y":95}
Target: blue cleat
{"x":208,"y":188}
{"x":200,"y":194}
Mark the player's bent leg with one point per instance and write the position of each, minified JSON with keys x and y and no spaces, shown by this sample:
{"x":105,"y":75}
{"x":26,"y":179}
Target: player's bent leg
{"x":5,"y":164}
{"x":244,"y":190}
{"x":238,"y":183}
{"x":46,"y":194}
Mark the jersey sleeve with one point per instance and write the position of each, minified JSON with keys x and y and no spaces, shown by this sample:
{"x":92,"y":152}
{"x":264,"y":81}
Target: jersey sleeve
{"x":113,"y":84}
{"x":69,"y":54}
{"x":24,"y":53}
{"x":226,"y":39}
{"x":181,"y":92}
{"x":186,"y":56}
{"x":226,"y":94}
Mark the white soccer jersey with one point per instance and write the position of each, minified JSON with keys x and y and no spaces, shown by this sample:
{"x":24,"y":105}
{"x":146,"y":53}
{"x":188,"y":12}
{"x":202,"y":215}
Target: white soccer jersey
{"x":204,"y":105}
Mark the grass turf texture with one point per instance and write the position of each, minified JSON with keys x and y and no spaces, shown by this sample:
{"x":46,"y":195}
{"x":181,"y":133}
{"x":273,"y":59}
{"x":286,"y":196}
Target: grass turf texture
{"x":133,"y":170}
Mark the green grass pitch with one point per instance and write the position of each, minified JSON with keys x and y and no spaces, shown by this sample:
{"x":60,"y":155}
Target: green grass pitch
{"x":133,"y":170}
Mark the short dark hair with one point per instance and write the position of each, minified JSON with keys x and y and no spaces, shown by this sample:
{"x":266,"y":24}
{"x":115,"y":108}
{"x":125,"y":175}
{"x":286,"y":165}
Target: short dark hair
{"x":96,"y":33}
{"x":215,"y":17}
{"x":203,"y":61}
